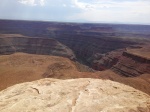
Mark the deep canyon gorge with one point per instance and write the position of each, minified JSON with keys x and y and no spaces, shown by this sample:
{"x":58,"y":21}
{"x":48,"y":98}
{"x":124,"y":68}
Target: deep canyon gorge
{"x":99,"y":46}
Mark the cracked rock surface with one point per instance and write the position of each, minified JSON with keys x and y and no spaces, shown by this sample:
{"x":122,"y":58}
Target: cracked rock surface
{"x":73,"y":95}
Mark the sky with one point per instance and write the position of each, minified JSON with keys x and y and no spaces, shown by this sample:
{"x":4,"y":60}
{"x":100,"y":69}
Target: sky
{"x":87,"y":11}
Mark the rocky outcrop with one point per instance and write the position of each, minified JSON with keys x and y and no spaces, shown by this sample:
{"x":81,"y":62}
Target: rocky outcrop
{"x":105,"y":61}
{"x":122,"y":62}
{"x":130,"y":68}
{"x":44,"y":46}
{"x":134,"y":61}
{"x":74,"y":95}
{"x":137,"y":57}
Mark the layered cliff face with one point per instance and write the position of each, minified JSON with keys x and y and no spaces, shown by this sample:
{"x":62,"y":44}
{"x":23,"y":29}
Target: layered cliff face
{"x":16,"y":43}
{"x":131,"y":65}
{"x":128,"y":62}
{"x":75,"y":95}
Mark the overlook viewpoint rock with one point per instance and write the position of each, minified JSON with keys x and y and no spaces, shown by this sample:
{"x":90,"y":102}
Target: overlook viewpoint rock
{"x":73,"y":95}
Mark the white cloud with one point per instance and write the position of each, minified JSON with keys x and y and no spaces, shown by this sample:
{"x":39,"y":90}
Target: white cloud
{"x":64,"y":5}
{"x":113,"y":11}
{"x":28,"y":2}
{"x":42,"y":2}
{"x":82,"y":5}
{"x":123,"y":11}
{"x":32,"y":2}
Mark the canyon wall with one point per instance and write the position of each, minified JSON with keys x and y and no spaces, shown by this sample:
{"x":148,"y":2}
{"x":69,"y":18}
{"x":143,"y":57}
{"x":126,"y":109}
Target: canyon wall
{"x":122,"y":62}
{"x":9,"y":45}
{"x":137,"y":57}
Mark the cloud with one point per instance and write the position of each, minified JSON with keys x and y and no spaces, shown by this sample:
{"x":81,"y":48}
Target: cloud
{"x":82,"y":5}
{"x":64,"y":5}
{"x":32,"y":2}
{"x":113,"y":11}
{"x":28,"y":2}
{"x":42,"y":2}
{"x":123,"y":11}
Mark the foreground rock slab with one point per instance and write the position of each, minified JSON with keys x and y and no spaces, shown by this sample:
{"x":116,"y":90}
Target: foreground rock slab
{"x":73,"y":95}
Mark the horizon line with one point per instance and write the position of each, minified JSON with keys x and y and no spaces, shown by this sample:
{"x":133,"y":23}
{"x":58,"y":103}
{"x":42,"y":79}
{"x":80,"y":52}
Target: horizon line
{"x":76,"y":22}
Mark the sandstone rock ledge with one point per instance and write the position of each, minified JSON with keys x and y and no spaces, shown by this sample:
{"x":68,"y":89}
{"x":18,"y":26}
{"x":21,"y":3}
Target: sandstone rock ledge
{"x":73,"y":95}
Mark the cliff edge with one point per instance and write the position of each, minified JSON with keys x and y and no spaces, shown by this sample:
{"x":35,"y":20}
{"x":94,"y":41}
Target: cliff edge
{"x":73,"y":95}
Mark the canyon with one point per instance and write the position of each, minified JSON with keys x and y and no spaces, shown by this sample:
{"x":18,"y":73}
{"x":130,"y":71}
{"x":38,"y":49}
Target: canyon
{"x":110,"y":56}
{"x":99,"y":46}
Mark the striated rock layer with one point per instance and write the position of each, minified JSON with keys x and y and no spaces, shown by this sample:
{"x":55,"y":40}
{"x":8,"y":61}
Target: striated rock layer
{"x":11,"y":43}
{"x":74,"y":95}
{"x":128,"y":62}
